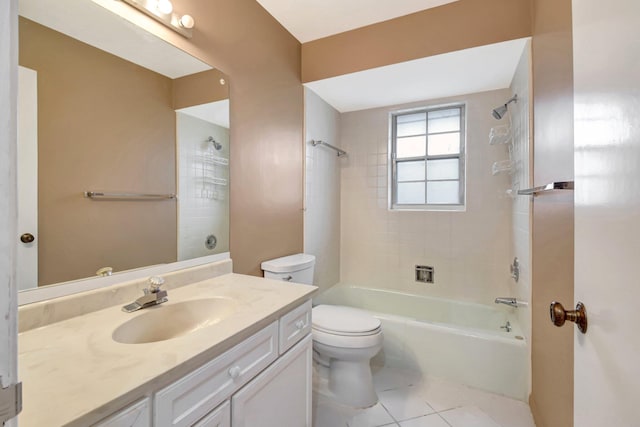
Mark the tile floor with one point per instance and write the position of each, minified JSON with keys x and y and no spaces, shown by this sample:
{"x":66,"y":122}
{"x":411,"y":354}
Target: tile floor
{"x":407,"y":400}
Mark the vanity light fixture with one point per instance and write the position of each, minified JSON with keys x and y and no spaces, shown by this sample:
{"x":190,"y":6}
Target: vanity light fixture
{"x":163,"y":12}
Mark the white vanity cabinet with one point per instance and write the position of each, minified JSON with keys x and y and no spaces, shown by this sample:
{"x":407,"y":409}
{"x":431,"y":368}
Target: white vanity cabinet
{"x":187,"y":400}
{"x":264,"y":381}
{"x":280,"y":396}
{"x":136,"y":415}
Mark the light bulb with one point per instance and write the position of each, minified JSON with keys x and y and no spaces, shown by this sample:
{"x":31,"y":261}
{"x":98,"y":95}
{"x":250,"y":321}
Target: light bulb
{"x":187,"y":22}
{"x":165,"y":7}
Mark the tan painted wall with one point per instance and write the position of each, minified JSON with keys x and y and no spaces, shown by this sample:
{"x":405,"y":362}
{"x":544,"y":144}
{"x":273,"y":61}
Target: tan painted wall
{"x":262,"y":61}
{"x":552,"y":348}
{"x":118,"y":143}
{"x":454,"y":26}
{"x":199,"y":88}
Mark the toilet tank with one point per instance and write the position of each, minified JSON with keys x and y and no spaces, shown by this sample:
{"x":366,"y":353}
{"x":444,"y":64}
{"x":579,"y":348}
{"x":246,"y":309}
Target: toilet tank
{"x":296,"y":268}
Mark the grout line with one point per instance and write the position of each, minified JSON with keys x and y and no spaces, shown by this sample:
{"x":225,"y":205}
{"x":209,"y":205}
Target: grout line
{"x":443,"y":419}
{"x":389,"y":412}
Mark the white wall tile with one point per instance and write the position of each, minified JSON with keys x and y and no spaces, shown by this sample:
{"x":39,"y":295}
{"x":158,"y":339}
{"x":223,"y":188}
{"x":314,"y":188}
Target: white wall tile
{"x":380,"y":248}
{"x":203,"y":207}
{"x":322,"y":190}
{"x":521,"y":205}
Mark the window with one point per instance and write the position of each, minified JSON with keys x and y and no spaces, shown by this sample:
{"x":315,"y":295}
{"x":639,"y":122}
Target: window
{"x":427,"y":159}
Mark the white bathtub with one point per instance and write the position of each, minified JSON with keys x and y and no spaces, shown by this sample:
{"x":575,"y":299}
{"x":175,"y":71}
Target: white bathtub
{"x":462,"y":342}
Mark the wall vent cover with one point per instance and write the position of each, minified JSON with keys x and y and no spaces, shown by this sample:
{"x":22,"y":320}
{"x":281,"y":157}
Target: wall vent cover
{"x":424,"y":274}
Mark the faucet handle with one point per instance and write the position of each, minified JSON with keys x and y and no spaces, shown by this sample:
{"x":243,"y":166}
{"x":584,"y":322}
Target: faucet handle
{"x":154,"y":283}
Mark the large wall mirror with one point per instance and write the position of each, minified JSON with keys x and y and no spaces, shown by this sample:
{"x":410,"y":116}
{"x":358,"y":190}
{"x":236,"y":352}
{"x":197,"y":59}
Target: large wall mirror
{"x":109,"y":110}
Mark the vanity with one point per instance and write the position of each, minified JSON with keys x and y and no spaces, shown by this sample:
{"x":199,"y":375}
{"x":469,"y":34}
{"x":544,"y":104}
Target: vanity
{"x":231,"y":350}
{"x":136,"y":137}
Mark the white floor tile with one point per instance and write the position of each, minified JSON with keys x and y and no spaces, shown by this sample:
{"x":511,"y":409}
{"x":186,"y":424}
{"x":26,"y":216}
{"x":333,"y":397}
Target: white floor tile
{"x":506,"y":411}
{"x":413,"y":401}
{"x":443,"y":395}
{"x":388,"y":378}
{"x":328,"y":414}
{"x":372,"y":417}
{"x":428,"y":421}
{"x":405,"y":403}
{"x":468,"y":416}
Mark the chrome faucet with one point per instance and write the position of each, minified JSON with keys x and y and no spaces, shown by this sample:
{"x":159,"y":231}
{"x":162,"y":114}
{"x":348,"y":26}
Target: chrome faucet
{"x":153,"y":295}
{"x":508,"y":301}
{"x":507,"y":326}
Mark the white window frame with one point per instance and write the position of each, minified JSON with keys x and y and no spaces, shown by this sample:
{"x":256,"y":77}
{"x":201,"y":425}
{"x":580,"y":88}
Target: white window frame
{"x":393,"y":161}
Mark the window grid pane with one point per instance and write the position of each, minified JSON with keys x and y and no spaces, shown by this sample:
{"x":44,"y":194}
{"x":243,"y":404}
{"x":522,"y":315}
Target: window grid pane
{"x":441,"y":147}
{"x":444,"y":143}
{"x":412,"y":146}
{"x":411,"y":171}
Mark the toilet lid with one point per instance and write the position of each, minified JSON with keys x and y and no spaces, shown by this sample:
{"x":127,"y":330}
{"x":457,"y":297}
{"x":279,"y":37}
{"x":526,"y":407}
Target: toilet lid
{"x":343,"y":320}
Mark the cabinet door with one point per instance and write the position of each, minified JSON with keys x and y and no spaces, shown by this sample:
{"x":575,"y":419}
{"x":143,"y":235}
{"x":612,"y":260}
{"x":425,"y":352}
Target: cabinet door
{"x":190,"y":398}
{"x":280,"y":396}
{"x":219,"y":417}
{"x":136,"y":415}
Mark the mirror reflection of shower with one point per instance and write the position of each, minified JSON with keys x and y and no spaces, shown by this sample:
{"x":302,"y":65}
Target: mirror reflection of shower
{"x":215,"y":144}
{"x":499,"y":112}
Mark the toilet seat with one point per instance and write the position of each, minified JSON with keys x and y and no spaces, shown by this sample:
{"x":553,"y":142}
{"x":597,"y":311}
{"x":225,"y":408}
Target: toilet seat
{"x":347,"y":341}
{"x":345,"y":327}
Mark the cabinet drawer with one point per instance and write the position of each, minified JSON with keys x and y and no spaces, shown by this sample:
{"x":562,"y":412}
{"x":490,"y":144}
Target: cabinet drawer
{"x":294,"y":326}
{"x":220,"y":417}
{"x":192,"y":397}
{"x":136,"y":415}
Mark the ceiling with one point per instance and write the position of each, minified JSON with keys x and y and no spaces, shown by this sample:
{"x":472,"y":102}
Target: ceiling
{"x":309,"y":20}
{"x":473,"y":70}
{"x":213,"y":112}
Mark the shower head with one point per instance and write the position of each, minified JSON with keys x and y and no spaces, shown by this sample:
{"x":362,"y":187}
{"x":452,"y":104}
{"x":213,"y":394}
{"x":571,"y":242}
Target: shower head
{"x":500,"y":111}
{"x":215,"y":144}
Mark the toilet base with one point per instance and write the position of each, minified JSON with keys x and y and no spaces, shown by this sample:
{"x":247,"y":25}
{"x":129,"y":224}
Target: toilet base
{"x":346,"y":382}
{"x":352,"y":383}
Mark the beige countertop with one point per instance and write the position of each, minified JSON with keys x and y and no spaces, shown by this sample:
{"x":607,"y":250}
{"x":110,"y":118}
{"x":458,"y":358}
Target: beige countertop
{"x":75,"y":374}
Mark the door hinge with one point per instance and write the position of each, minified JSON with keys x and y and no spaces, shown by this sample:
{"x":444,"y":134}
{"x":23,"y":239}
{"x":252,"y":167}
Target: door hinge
{"x":10,"y":402}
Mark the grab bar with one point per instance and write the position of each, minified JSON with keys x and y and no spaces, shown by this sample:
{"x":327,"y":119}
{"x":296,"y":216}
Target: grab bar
{"x":139,"y":196}
{"x":560,"y":185}
{"x":318,"y":142}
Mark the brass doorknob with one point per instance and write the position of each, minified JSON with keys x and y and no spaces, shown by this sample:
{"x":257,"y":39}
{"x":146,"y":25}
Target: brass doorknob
{"x":559,"y":315}
{"x":27,"y":238}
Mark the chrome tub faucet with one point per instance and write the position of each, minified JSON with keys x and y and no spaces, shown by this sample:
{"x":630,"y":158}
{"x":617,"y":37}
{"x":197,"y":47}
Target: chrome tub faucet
{"x":507,"y":301}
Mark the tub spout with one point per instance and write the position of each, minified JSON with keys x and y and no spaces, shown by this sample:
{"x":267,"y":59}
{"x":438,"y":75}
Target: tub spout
{"x":508,"y":301}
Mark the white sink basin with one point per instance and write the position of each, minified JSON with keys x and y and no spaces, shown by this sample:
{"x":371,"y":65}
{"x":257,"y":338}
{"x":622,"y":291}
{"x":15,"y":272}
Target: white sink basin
{"x":167,"y":321}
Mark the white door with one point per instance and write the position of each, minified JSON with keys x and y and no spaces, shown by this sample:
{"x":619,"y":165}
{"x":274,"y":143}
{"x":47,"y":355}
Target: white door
{"x":27,"y":238}
{"x":8,"y":299}
{"x":606,"y":39}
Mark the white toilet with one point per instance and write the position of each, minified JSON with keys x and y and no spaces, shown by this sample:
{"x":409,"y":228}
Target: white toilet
{"x":344,"y":338}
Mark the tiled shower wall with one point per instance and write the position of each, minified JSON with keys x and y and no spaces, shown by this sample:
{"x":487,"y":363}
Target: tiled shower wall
{"x":521,"y":238}
{"x":322,"y":190}
{"x":203,"y":190}
{"x":380,"y":247}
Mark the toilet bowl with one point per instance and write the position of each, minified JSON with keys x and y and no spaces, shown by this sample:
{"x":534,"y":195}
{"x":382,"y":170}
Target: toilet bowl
{"x":344,"y":341}
{"x":344,"y":338}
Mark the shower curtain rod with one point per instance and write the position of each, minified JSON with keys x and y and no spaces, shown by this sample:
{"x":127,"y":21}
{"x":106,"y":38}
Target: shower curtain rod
{"x":318,"y":142}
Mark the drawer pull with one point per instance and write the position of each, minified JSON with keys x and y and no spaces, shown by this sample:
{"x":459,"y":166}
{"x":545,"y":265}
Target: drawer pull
{"x":235,"y":372}
{"x":300,"y":324}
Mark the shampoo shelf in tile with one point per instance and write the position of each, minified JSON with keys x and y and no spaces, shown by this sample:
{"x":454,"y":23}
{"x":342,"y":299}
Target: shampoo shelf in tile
{"x":214,"y":180}
{"x":560,"y":185}
{"x":207,"y":159}
{"x":103,"y":195}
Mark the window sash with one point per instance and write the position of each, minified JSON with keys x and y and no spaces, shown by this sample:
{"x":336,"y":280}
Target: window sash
{"x":460,"y":156}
